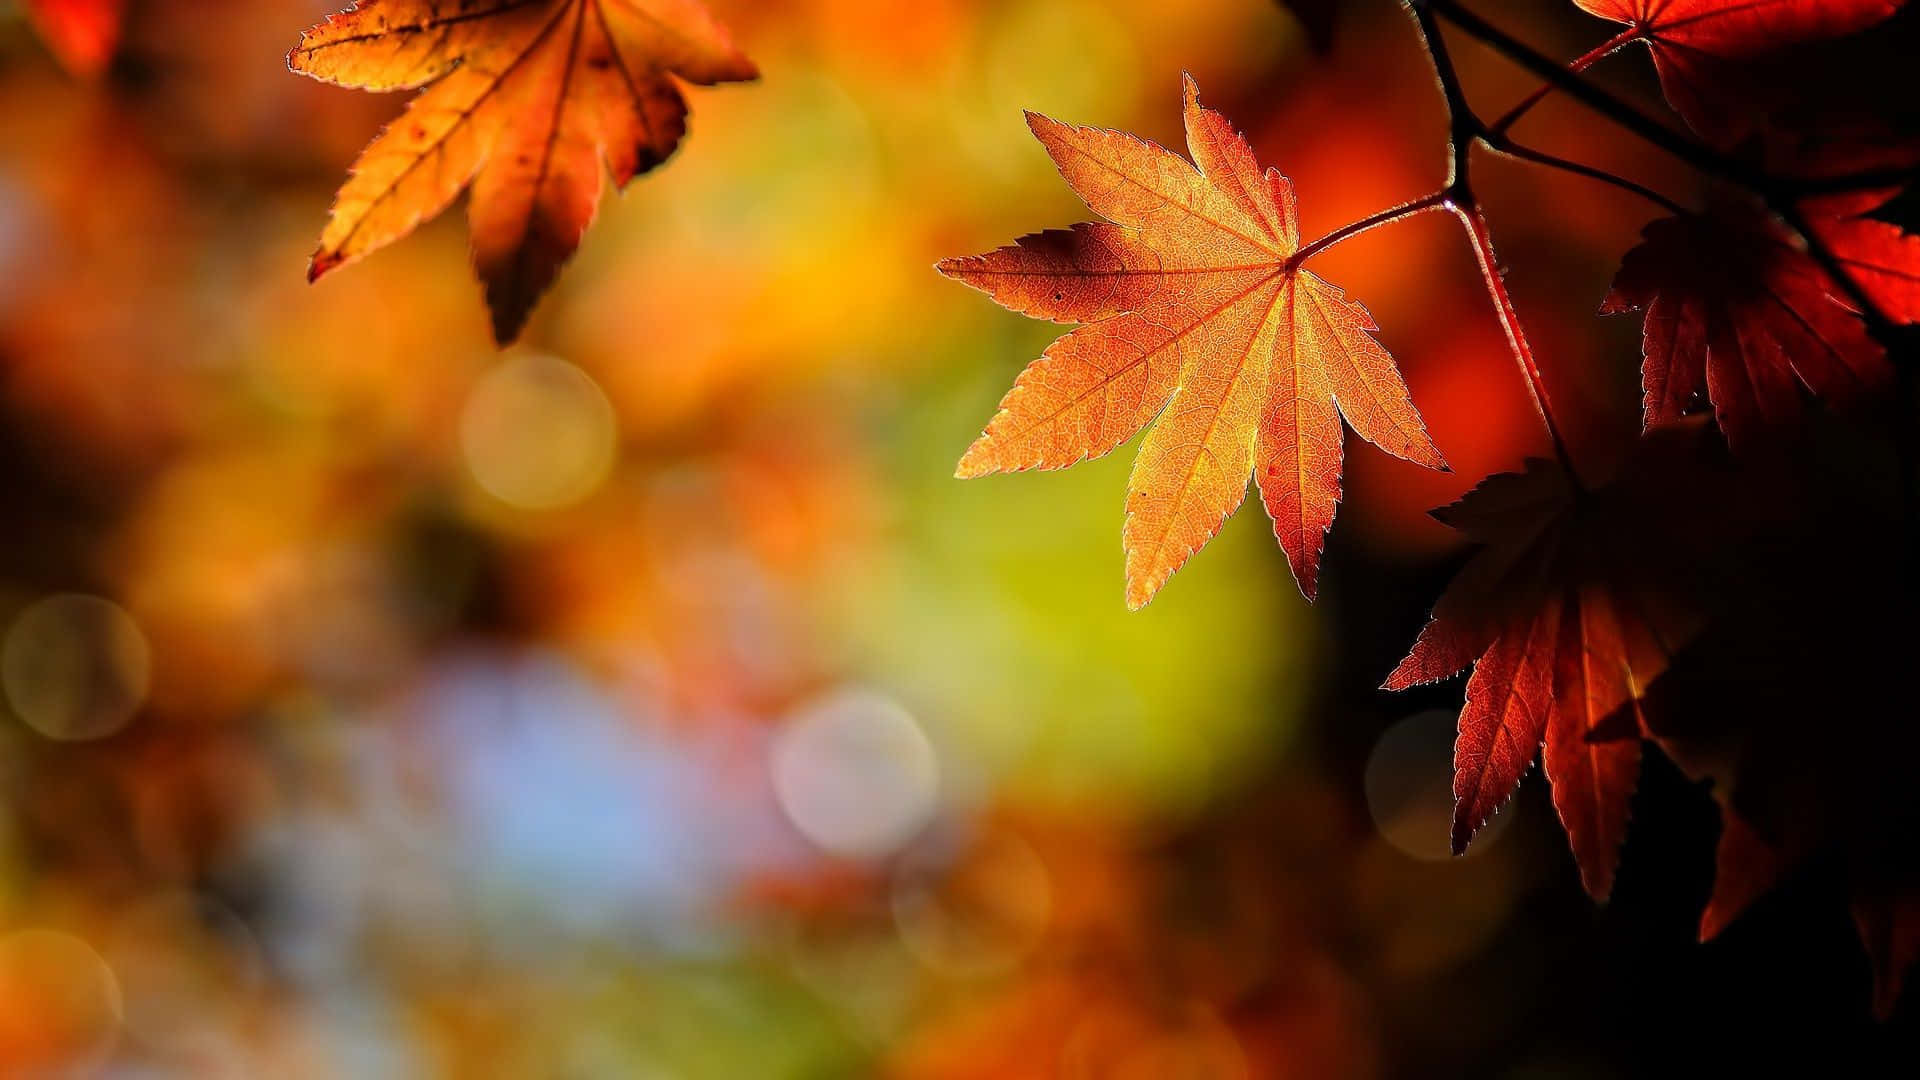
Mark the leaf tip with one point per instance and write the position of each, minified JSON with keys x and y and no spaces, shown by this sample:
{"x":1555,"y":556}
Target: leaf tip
{"x":507,"y":326}
{"x":978,"y":461}
{"x":1041,"y":124}
{"x":1141,"y":589}
{"x":1464,"y":826}
{"x":1457,"y":843}
{"x":1712,"y":923}
{"x":322,"y":262}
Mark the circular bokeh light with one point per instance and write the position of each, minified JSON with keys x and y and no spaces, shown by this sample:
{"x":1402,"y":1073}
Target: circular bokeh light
{"x":538,"y":433}
{"x":59,"y":1005}
{"x":856,"y":775}
{"x":1409,"y":787}
{"x":75,"y":667}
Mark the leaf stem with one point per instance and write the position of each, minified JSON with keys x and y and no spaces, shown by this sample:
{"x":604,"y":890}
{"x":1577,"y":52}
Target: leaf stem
{"x":1781,"y":195}
{"x":1701,"y":156}
{"x":1583,"y":62}
{"x":1475,"y":223}
{"x":1435,"y":201}
{"x":1705,"y":158}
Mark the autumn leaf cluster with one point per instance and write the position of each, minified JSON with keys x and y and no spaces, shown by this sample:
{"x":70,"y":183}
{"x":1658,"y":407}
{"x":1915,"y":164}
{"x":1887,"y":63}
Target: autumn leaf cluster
{"x":1773,"y":312}
{"x":1744,"y":574}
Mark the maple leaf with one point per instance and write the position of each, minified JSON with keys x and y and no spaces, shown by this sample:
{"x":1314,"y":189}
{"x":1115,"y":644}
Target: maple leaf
{"x":529,"y":102}
{"x":1194,"y":313}
{"x":1882,"y":257}
{"x":1794,"y":708}
{"x":1703,"y":49}
{"x":1573,"y":606}
{"x":1902,"y":210}
{"x":82,"y":33}
{"x":1746,"y":866}
{"x":1734,"y":310}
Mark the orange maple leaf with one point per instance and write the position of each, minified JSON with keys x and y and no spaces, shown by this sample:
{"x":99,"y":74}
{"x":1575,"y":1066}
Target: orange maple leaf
{"x":525,"y":101}
{"x":1575,"y":604}
{"x":1195,"y":312}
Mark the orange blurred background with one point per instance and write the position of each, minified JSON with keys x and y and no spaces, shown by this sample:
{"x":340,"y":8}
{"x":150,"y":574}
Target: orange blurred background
{"x":648,"y":700}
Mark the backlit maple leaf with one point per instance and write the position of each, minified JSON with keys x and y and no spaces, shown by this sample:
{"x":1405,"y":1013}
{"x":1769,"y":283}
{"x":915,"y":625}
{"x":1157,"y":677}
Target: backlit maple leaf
{"x":530,"y":102}
{"x":1194,"y":314}
{"x":1882,"y":258}
{"x":1575,"y":604}
{"x":1734,"y":310}
{"x":1701,"y":48}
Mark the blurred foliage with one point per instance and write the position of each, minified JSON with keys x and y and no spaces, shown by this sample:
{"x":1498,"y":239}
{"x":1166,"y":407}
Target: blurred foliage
{"x":390,"y":707}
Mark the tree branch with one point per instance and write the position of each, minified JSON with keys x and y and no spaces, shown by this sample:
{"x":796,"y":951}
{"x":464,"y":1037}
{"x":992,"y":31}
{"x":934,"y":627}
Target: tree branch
{"x":1464,"y":129}
{"x":1699,"y":155}
{"x":1583,"y":62}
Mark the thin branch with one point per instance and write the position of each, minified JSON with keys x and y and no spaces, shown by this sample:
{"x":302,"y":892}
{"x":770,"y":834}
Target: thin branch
{"x":1385,"y":217}
{"x":1699,"y":155}
{"x":1705,"y":158}
{"x":1583,"y":62}
{"x":1501,"y":144}
{"x":1782,"y":196}
{"x":1464,"y":129}
{"x":1847,"y":183}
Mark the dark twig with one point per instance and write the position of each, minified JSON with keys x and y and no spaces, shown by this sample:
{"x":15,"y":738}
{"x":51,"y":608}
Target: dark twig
{"x":1501,"y":144}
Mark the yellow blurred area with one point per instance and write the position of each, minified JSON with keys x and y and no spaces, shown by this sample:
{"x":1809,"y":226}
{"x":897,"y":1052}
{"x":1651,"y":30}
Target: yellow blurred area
{"x":647,"y":699}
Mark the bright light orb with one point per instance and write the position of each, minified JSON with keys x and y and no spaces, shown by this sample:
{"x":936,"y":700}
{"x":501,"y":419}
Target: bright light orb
{"x":856,"y":775}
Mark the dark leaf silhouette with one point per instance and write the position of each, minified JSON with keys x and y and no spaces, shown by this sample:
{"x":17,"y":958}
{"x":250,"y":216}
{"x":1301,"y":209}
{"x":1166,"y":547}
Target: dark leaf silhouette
{"x":1827,"y":650}
{"x":1575,"y":604}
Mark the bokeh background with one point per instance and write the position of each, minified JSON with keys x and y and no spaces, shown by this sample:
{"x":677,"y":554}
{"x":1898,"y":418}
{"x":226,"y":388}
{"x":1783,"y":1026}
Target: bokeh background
{"x":647,"y":700}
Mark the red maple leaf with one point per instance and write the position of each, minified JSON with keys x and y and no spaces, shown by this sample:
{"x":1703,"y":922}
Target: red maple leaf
{"x":1736,"y":311}
{"x":1881,"y":257}
{"x":1708,"y":51}
{"x":1575,"y":604}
